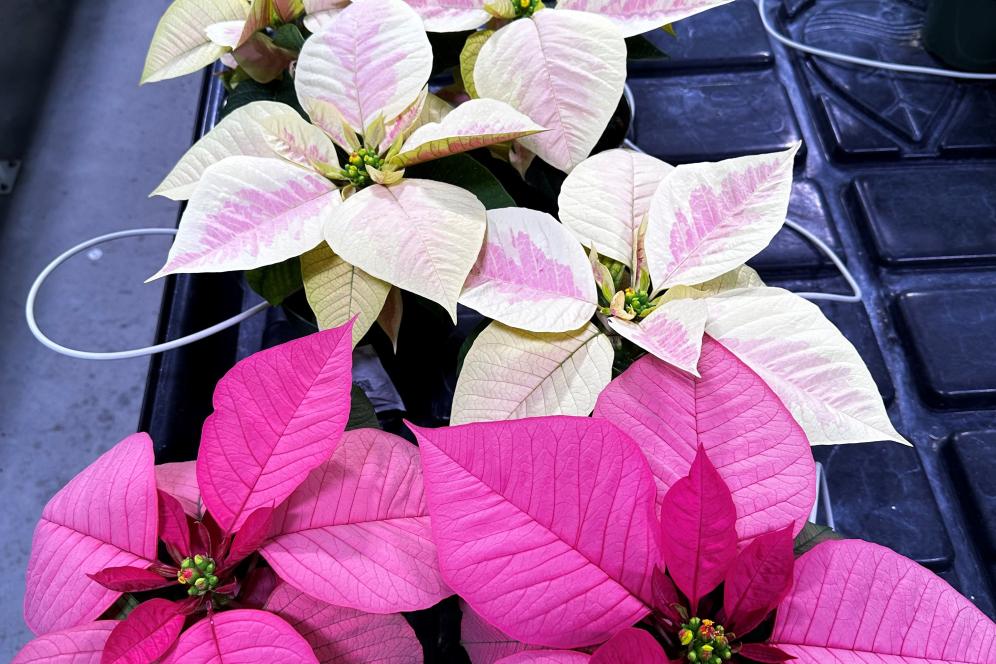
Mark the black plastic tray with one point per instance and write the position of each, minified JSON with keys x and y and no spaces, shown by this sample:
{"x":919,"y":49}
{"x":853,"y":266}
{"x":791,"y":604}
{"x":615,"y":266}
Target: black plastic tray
{"x":898,"y":174}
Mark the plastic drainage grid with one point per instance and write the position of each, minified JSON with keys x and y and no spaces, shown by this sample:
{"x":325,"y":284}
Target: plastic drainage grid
{"x":897,"y":174}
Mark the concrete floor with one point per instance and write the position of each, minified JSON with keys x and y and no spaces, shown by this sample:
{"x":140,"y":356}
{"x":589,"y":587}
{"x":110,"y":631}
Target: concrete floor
{"x":93,"y":144}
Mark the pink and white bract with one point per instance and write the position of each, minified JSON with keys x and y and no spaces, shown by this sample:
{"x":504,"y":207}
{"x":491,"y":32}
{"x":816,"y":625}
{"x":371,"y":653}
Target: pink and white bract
{"x":341,"y":520}
{"x":565,"y":532}
{"x":678,"y":238}
{"x":264,"y":185}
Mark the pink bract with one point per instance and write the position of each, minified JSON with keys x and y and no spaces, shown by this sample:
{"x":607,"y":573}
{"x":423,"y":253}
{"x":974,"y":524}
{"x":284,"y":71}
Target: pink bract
{"x":243,"y":636}
{"x":630,"y":646}
{"x":758,"y":580}
{"x":544,"y":526}
{"x":858,"y":603}
{"x":758,"y":448}
{"x":150,"y":630}
{"x":179,"y":480}
{"x":105,"y":517}
{"x":278,"y":415}
{"x":77,"y":645}
{"x":484,"y":643}
{"x":341,"y":635}
{"x":698,"y":540}
{"x":356,"y":533}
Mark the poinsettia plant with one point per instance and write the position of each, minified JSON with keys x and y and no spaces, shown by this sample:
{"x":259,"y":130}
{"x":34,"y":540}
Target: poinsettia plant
{"x":257,"y":39}
{"x":664,"y":523}
{"x":647,"y":258}
{"x":563,"y":66}
{"x":287,"y":537}
{"x":193,"y":34}
{"x":266,"y":186}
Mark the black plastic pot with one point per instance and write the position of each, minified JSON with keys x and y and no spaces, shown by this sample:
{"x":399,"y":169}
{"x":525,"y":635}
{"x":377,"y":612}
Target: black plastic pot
{"x":962,"y":33}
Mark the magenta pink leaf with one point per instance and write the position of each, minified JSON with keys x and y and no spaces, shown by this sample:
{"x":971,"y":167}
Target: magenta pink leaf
{"x":257,"y":587}
{"x":758,"y":580}
{"x":130,"y":579}
{"x":243,"y":636}
{"x":761,"y":652}
{"x":859,"y":603}
{"x":180,"y":481}
{"x":340,"y":635}
{"x":544,"y":526}
{"x":250,"y":536}
{"x":698,"y":539}
{"x":173,"y":528}
{"x":545,"y":657}
{"x":630,"y":646}
{"x":356,"y":533}
{"x":666,"y":597}
{"x":77,"y":645}
{"x":278,"y":414}
{"x":104,"y":517}
{"x":148,"y":632}
{"x":757,"y":447}
{"x":484,"y":643}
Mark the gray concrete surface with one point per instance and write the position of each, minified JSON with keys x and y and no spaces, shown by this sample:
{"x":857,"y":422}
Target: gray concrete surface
{"x":93,"y":144}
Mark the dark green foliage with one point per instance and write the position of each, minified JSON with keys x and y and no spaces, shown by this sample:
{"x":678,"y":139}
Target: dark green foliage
{"x":276,"y":282}
{"x":464,"y":171}
{"x":361,"y":411}
{"x":812,"y":535}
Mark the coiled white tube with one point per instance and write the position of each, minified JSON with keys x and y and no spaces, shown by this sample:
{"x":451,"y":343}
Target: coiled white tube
{"x":29,"y":307}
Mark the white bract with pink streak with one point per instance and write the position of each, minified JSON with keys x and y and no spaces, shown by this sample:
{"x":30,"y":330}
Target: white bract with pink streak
{"x":193,"y":34}
{"x":672,"y":271}
{"x":564,"y":67}
{"x":632,"y":16}
{"x":266,"y":186}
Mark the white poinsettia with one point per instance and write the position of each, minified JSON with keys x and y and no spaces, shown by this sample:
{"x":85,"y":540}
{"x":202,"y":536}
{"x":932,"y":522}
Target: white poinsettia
{"x":564,"y":67}
{"x":192,"y":34}
{"x":633,"y":16}
{"x":672,"y":242}
{"x":265,"y":185}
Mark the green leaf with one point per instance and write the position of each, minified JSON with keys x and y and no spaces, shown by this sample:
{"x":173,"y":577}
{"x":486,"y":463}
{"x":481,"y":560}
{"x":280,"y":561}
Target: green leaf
{"x":641,"y":48}
{"x":248,"y":91}
{"x":813,"y":534}
{"x":468,"y":58}
{"x":276,"y":282}
{"x":446,"y":47}
{"x":361,"y":412}
{"x":288,"y":36}
{"x":464,"y":171}
{"x":121,"y":607}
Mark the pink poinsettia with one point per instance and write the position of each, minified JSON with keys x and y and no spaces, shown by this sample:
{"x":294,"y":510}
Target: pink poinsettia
{"x":286,"y":537}
{"x":673,"y":509}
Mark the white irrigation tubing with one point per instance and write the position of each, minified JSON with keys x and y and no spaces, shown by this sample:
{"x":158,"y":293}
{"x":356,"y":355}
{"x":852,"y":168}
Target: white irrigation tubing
{"x":29,"y":307}
{"x":854,"y":60}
